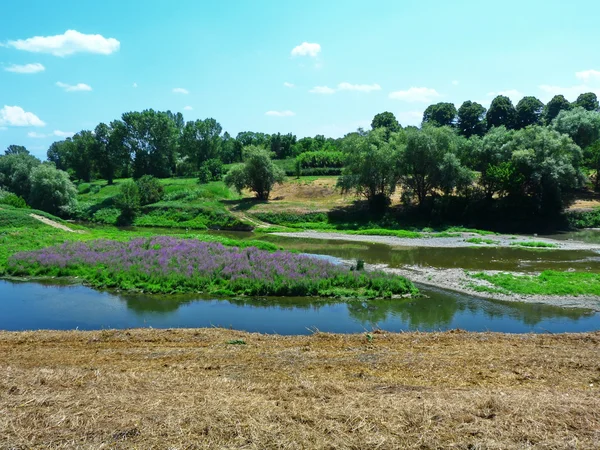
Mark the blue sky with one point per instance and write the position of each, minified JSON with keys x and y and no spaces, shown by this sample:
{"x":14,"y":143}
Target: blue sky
{"x":230,"y":59}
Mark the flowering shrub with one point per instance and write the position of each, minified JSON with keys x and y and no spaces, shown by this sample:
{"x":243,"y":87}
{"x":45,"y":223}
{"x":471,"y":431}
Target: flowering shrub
{"x":165,"y":264}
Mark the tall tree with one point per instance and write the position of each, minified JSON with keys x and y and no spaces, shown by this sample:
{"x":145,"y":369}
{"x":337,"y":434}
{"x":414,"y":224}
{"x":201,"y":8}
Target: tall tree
{"x":151,"y":140}
{"x":529,"y":112}
{"x":553,"y":107}
{"x":440,"y":114}
{"x":201,"y":141}
{"x":110,"y":155}
{"x":80,"y":156}
{"x":15,"y":172}
{"x":385,"y":120}
{"x":471,"y":119}
{"x":15,"y":150}
{"x":587,"y":101}
{"x":501,"y":112}
{"x":281,"y":145}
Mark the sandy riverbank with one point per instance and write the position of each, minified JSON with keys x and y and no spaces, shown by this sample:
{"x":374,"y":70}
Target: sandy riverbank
{"x":178,"y":388}
{"x":438,"y":242}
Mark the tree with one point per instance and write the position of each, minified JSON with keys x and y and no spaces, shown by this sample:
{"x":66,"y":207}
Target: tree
{"x":471,"y":119}
{"x":80,"y":155}
{"x":257,"y":173}
{"x":548,"y":165}
{"x":371,"y":169}
{"x":385,"y":120}
{"x":201,"y":141}
{"x":491,"y":151}
{"x":501,"y":112}
{"x":581,"y":125}
{"x":150,"y":190}
{"x":587,"y":101}
{"x":440,"y":114}
{"x":592,"y":161}
{"x":425,"y":166}
{"x":281,"y":145}
{"x":110,"y":155}
{"x":16,"y":150}
{"x":553,"y":107}
{"x":151,"y":140}
{"x":52,"y":190}
{"x":15,"y":172}
{"x":529,"y":112}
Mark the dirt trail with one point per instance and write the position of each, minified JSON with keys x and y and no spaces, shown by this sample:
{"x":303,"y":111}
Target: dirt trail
{"x":54,"y":224}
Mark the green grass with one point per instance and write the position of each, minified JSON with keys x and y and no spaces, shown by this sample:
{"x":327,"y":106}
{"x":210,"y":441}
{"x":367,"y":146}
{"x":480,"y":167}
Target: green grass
{"x":382,"y":232}
{"x":534,"y":244}
{"x":469,"y":230}
{"x":487,"y":289}
{"x":547,"y":283}
{"x":481,"y":241}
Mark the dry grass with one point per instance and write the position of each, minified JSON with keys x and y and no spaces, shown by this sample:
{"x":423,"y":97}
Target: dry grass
{"x":191,"y":389}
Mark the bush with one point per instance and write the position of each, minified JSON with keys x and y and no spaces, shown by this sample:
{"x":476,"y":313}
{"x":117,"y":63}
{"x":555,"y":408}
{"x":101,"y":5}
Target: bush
{"x":211,"y":170}
{"x":150,"y":190}
{"x":310,"y":160}
{"x":128,"y":202}
{"x":10,"y":199}
{"x":52,"y":190}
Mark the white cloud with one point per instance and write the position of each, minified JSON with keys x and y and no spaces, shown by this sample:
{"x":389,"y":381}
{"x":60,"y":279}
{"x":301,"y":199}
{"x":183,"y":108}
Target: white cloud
{"x":74,"y":87}
{"x":359,"y":87}
{"x":410,"y":117}
{"x":455,"y":82}
{"x":16,"y":116}
{"x":26,"y":68}
{"x":415,"y":94}
{"x":322,"y":90}
{"x":35,"y":135}
{"x":135,"y":85}
{"x":188,"y":108}
{"x":280,"y":113}
{"x":69,"y":43}
{"x":62,"y":133}
{"x":180,"y":91}
{"x":289,"y":85}
{"x":571,"y":93}
{"x":307,"y":49}
{"x":513,"y":94}
{"x":587,"y":75}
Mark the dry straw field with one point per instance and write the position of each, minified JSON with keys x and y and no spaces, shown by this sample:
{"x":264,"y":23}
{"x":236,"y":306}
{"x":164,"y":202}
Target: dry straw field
{"x":188,"y":389}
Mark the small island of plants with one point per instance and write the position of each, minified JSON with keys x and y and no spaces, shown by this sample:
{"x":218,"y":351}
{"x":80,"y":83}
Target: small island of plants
{"x":165,"y":264}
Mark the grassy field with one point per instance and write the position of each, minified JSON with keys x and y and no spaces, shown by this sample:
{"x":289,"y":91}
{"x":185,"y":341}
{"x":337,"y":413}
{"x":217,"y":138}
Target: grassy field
{"x":212,"y":388}
{"x":547,"y":283}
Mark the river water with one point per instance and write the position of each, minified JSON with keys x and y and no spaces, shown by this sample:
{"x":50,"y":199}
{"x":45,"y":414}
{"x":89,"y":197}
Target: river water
{"x":27,"y":306}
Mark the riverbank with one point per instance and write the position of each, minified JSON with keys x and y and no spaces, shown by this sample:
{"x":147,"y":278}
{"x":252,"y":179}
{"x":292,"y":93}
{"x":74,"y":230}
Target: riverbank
{"x":214,"y":388}
{"x":459,"y":241}
{"x":459,"y":280}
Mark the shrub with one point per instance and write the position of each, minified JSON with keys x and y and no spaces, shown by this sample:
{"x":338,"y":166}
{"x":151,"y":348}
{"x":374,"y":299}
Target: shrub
{"x":150,"y":190}
{"x":10,"y":199}
{"x":310,"y":160}
{"x":211,"y":170}
{"x":128,"y":202}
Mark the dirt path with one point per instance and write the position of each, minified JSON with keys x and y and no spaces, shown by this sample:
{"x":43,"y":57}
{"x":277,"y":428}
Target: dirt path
{"x":157,"y":389}
{"x":438,"y":242}
{"x":54,"y":224}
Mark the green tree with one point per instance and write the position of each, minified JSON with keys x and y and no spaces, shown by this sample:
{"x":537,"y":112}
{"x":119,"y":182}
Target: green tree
{"x":150,"y":137}
{"x":110,"y":155}
{"x":529,"y":112}
{"x":587,"y":101}
{"x":471,"y":119}
{"x":425,"y":165}
{"x":15,"y":172}
{"x":592,"y":161}
{"x":492,"y":151}
{"x":15,"y":150}
{"x":80,"y":155}
{"x":501,"y":113}
{"x":52,"y":190}
{"x":553,"y":107}
{"x":440,"y":114}
{"x":201,"y":141}
{"x":281,"y":145}
{"x":385,"y":120}
{"x":257,"y":173}
{"x":150,"y":190}
{"x":371,"y":169}
{"x":581,"y":125}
